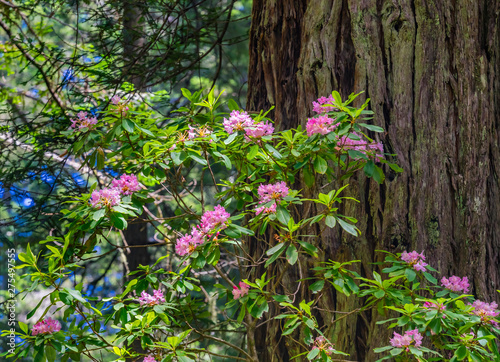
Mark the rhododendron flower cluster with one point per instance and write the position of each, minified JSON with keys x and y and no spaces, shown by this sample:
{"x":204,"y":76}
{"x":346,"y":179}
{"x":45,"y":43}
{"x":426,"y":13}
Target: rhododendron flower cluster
{"x":127,"y":184}
{"x":120,"y":106}
{"x":241,"y":121}
{"x":150,"y":300}
{"x":105,"y":198}
{"x":415,"y":260}
{"x":149,"y":359}
{"x":210,"y":221}
{"x":321,"y":125}
{"x":405,"y":341}
{"x":456,"y":284}
{"x":241,"y":291}
{"x":108,"y":197}
{"x":201,"y":132}
{"x":438,"y":306}
{"x":487,"y":311}
{"x":323,"y":345}
{"x":259,"y":130}
{"x":374,"y":149}
{"x":318,"y":105}
{"x":46,"y":326}
{"x":83,"y":121}
{"x":238,"y":121}
{"x":269,"y":193}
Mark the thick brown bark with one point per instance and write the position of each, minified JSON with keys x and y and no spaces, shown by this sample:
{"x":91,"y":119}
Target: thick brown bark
{"x":432,"y":71}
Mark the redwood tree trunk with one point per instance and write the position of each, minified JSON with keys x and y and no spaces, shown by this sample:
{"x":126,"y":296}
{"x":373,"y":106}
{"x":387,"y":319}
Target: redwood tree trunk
{"x":432,"y":71}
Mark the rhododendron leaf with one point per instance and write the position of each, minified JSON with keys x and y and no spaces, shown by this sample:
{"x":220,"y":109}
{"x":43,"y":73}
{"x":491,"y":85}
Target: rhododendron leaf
{"x":178,"y":157}
{"x":232,"y":105}
{"x":372,"y":127}
{"x":320,"y":165}
{"x":197,"y":158}
{"x":128,"y":125}
{"x":99,"y":214}
{"x":186,"y":93}
{"x":308,"y":177}
{"x":214,"y":256}
{"x":231,"y":138}
{"x":273,"y":150}
{"x":309,"y":248}
{"x":276,"y":252}
{"x":118,"y":221}
{"x":317,"y":286}
{"x":430,"y":278}
{"x":252,"y":152}
{"x":461,"y":353}
{"x":313,"y":354}
{"x":410,"y":274}
{"x":382,"y":349}
{"x":282,"y":214}
{"x":330,"y":221}
{"x":292,"y":254}
{"x":396,"y":351}
{"x":351,"y":229}
{"x":378,"y":175}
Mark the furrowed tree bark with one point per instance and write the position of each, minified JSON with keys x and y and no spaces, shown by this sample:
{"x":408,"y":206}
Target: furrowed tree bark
{"x":432,"y":71}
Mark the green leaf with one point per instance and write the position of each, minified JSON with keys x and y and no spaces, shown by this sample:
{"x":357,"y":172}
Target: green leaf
{"x":378,"y":175}
{"x":50,"y":353}
{"x":99,"y":214}
{"x":396,"y":351}
{"x":309,"y":248}
{"x":186,"y":93}
{"x":382,"y":349}
{"x":369,"y":168}
{"x":410,"y":274}
{"x":337,"y":98}
{"x":197,"y":158}
{"x":282,"y":215}
{"x":308,"y":177}
{"x":273,"y":150}
{"x":313,"y":354}
{"x":128,"y":125}
{"x":320,"y":165}
{"x":461,"y":353}
{"x":292,"y":254}
{"x":233,"y":106}
{"x":330,"y":221}
{"x":253,"y":152}
{"x":280,"y":248}
{"x":23,"y":326}
{"x":317,"y":286}
{"x":118,"y":221}
{"x":231,"y":138}
{"x":430,"y":278}
{"x":351,"y":229}
{"x":371,"y":127}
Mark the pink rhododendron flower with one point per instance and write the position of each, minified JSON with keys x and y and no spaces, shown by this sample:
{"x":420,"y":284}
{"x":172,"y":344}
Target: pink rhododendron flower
{"x":415,"y":260}
{"x":370,"y":149}
{"x":272,"y":191}
{"x":456,"y":284}
{"x":46,"y":326}
{"x":210,"y":221}
{"x":214,"y":219}
{"x":127,"y":184}
{"x":105,"y":197}
{"x":116,"y":100}
{"x":188,"y":243}
{"x":241,"y":291}
{"x":238,"y":121}
{"x":321,"y":125}
{"x":269,"y":193}
{"x":487,"y":312}
{"x":201,"y":132}
{"x":437,"y":306}
{"x":150,"y":300}
{"x":266,"y":210}
{"x":318,"y":108}
{"x":149,"y":359}
{"x":83,"y":121}
{"x":404,"y":341}
{"x":322,"y":344}
{"x":258,"y":130}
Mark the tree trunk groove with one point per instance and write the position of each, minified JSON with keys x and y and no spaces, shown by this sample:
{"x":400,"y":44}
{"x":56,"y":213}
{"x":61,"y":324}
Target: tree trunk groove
{"x":432,"y":71}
